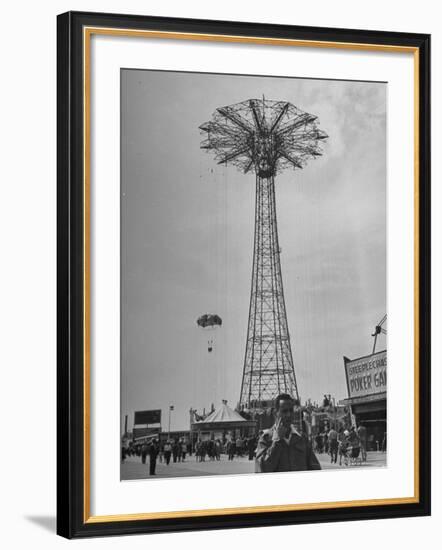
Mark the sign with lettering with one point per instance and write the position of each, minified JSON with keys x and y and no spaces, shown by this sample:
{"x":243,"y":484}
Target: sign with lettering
{"x":144,"y":432}
{"x":366,"y":375}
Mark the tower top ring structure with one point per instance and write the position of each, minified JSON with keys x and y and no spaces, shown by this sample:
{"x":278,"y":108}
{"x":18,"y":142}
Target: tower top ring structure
{"x":263,"y":136}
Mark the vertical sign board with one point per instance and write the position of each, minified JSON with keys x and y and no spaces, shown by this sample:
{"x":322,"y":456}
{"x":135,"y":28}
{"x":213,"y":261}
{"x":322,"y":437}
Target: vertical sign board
{"x":366,"y":375}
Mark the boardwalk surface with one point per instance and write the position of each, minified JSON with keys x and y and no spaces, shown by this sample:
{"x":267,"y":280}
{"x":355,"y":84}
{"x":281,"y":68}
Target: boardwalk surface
{"x":134,"y":469}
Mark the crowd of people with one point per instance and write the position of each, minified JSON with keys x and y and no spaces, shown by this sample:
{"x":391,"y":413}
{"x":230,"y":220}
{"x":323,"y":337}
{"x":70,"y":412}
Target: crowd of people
{"x":212,"y":449}
{"x":241,"y":447}
{"x":179,"y":449}
{"x":290,"y":443}
{"x":347,"y":444}
{"x":175,"y":450}
{"x":350,"y":445}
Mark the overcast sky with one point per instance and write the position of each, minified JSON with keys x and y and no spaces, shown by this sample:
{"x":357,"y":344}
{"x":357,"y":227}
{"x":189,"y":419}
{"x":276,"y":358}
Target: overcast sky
{"x":187,"y":239}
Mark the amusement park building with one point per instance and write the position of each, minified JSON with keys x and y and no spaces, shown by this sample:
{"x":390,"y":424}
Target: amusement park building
{"x":367,"y":395}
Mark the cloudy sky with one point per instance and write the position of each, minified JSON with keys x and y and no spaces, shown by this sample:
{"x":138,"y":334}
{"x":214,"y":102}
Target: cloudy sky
{"x":187,"y":239}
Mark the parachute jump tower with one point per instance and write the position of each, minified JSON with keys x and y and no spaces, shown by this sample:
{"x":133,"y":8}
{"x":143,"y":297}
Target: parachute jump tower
{"x":265,"y":137}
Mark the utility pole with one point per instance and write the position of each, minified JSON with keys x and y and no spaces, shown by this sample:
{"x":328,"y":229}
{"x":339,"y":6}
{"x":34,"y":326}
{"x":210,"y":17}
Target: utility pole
{"x":171,"y":407}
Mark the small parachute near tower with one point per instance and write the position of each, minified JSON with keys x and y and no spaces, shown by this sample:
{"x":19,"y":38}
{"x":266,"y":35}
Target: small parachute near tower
{"x":209,"y":321}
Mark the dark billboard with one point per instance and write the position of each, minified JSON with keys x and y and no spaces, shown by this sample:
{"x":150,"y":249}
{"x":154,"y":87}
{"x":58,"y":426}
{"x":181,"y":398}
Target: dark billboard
{"x":147,"y":417}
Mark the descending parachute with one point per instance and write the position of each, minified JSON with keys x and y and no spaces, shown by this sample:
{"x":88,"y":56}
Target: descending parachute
{"x":209,"y":321}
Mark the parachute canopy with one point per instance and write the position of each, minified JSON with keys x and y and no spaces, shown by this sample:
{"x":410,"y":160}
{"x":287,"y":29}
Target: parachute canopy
{"x":209,"y":320}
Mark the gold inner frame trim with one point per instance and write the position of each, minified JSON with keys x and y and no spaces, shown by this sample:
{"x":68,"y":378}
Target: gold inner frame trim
{"x":88,"y":32}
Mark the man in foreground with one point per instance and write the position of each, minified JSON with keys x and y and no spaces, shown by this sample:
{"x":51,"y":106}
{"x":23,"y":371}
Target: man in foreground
{"x":284,"y":447}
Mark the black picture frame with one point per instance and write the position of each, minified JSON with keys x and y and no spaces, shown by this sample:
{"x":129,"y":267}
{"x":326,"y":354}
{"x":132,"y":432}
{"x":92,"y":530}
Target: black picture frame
{"x":72,"y":520}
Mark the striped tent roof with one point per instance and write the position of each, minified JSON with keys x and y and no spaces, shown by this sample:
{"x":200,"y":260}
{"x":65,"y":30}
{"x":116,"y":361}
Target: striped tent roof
{"x":223,"y":414}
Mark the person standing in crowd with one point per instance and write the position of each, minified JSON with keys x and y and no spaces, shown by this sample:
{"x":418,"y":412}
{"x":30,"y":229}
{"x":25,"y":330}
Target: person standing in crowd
{"x":218,"y":449}
{"x":153,"y":453}
{"x":251,"y":445}
{"x":231,"y":449}
{"x":353,"y":438}
{"x":211,"y":449}
{"x":183,"y":450}
{"x":175,"y":449}
{"x":239,"y":446}
{"x":362,"y":434}
{"x":333,"y":445}
{"x":341,"y":435}
{"x":343,"y":445}
{"x":201,"y":450}
{"x":167,"y":452}
{"x":198,"y":451}
{"x":144,"y":451}
{"x":325,"y":438}
{"x":284,"y":447}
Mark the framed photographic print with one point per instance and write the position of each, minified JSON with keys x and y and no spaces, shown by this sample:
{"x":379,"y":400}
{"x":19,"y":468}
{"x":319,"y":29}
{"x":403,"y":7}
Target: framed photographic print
{"x":243,"y":239}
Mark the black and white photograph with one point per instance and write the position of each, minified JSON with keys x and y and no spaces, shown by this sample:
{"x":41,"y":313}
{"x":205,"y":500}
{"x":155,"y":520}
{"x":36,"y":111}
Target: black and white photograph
{"x":219,"y":219}
{"x":253,"y":274}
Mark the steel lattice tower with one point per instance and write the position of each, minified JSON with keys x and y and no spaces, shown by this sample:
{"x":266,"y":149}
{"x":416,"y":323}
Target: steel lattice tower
{"x":265,"y":137}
